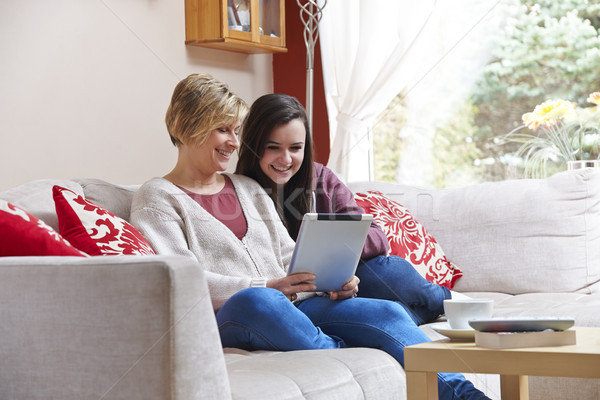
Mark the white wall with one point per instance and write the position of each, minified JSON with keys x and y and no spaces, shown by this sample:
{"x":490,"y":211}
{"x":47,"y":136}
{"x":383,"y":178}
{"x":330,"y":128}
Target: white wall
{"x":84,"y":86}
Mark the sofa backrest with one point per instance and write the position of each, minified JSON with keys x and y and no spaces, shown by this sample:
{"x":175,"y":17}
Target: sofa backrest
{"x":35,"y":197}
{"x":514,"y":236}
{"x":115,"y":198}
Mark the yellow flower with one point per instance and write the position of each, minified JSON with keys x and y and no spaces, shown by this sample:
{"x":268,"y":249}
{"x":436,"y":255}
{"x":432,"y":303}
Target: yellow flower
{"x":548,"y":113}
{"x":594,"y":98}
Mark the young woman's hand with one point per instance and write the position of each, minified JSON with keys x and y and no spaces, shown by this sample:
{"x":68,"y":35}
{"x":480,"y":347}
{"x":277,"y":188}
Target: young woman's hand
{"x":292,"y":284}
{"x":348,"y":290}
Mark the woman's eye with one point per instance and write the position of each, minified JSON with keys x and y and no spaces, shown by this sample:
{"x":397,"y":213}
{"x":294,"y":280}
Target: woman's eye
{"x":272,"y":147}
{"x":297,"y":148}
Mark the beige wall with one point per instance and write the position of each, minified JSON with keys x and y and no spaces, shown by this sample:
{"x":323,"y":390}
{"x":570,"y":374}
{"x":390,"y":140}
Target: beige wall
{"x":84,"y":85}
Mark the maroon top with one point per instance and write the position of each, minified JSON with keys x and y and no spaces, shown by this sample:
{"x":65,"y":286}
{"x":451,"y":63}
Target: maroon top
{"x":333,"y":196}
{"x":224,"y":206}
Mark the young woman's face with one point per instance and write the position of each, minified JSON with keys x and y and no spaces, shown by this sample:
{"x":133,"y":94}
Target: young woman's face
{"x":284,"y":151}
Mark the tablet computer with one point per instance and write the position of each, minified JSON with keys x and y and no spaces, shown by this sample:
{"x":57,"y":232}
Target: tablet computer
{"x":330,"y":246}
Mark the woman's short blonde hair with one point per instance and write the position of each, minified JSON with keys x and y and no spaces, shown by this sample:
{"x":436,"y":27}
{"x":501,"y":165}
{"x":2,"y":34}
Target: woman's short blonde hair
{"x":199,"y":105}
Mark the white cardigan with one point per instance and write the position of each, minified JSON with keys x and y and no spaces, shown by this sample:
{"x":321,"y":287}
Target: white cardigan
{"x":175,"y":224}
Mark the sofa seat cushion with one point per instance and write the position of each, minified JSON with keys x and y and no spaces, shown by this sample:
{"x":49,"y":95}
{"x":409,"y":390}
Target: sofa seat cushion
{"x":315,"y":374}
{"x":579,"y":306}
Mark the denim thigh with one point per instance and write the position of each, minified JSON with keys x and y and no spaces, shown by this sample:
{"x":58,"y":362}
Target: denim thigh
{"x":262,"y":318}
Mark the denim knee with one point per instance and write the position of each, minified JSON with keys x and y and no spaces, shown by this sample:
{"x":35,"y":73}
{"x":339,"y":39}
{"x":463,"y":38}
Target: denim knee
{"x":256,"y":300}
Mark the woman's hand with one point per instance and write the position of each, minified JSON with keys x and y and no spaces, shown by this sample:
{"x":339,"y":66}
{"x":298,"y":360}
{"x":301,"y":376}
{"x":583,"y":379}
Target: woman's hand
{"x":348,"y":290}
{"x":292,"y":284}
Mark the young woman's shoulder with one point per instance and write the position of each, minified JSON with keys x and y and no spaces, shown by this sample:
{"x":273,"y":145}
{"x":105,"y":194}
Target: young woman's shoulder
{"x":318,"y":168}
{"x":325,"y":175}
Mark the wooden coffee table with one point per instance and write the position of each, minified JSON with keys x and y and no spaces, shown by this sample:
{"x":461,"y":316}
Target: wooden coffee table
{"x":423,"y":361}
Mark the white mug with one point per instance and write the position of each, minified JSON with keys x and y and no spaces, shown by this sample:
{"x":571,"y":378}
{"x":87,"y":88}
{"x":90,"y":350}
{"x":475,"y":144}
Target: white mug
{"x":460,"y":311}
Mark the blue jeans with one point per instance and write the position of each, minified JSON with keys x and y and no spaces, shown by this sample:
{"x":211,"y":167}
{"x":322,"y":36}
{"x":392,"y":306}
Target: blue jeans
{"x":394,"y":278}
{"x":264,"y":319}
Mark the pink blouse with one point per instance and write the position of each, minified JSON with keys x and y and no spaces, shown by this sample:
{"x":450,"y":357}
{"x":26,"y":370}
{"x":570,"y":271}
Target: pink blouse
{"x":224,"y":206}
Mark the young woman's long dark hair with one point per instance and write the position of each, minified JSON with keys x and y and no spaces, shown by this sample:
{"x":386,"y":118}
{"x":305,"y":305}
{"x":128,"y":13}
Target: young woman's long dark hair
{"x":268,"y":112}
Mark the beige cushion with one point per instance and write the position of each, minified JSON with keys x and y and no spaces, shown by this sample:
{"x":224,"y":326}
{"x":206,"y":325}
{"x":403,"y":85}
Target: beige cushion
{"x":515,"y":236}
{"x":354,"y":373}
{"x":35,"y":197}
{"x":115,"y":198}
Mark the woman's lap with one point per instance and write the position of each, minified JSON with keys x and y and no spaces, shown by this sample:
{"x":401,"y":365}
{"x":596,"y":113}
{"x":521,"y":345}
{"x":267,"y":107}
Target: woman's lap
{"x":264,"y":319}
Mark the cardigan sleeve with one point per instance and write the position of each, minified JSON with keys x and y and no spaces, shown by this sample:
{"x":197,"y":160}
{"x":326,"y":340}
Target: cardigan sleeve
{"x":332,"y":195}
{"x":155,"y":214}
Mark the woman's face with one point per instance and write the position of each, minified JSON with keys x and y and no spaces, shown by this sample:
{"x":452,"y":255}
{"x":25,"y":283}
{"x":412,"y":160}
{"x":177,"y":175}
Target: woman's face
{"x":284,"y":151}
{"x":216,"y":151}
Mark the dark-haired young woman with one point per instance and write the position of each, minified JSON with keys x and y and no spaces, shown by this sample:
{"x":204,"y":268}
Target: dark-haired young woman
{"x":276,"y":151}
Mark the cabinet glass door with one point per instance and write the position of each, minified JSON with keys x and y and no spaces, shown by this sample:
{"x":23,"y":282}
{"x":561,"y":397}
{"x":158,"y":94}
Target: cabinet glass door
{"x":238,"y":15}
{"x":269,"y":18}
{"x":271,"y":23}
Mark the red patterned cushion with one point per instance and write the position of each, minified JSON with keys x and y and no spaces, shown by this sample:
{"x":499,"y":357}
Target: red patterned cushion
{"x":22,"y":234}
{"x":409,"y":239}
{"x":95,"y":230}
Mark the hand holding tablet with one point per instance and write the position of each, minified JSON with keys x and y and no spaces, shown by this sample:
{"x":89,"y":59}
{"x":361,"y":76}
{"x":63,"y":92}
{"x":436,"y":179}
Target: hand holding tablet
{"x":329,"y":246}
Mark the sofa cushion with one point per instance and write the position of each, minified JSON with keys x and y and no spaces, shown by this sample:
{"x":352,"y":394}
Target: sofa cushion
{"x":514,"y":236}
{"x":35,"y":197}
{"x":352,"y":373}
{"x":409,"y":239}
{"x":95,"y":230}
{"x":115,"y":198}
{"x":22,"y":234}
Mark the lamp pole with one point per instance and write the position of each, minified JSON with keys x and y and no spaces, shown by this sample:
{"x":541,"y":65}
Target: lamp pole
{"x":310,"y":15}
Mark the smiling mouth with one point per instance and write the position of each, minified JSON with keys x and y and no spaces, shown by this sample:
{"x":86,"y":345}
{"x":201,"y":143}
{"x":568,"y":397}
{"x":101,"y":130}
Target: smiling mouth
{"x":281,"y":169}
{"x":224,"y":153}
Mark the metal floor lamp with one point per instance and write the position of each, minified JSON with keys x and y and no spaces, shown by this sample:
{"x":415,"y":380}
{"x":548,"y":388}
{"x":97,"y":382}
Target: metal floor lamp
{"x":310,"y":14}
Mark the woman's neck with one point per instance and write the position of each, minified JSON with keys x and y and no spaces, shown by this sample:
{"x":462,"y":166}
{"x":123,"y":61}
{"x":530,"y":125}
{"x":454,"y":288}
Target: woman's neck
{"x":194,"y":180}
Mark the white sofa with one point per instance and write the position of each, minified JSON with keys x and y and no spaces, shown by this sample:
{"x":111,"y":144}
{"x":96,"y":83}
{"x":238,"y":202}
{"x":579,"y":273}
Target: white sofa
{"x":142,"y":327}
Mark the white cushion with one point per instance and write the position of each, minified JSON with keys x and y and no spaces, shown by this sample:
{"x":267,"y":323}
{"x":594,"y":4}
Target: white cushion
{"x":514,"y":236}
{"x":354,"y":373}
{"x":35,"y":197}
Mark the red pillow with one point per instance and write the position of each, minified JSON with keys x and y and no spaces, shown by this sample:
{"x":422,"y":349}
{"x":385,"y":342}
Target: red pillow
{"x":95,"y":230}
{"x":22,"y":234}
{"x":409,"y":239}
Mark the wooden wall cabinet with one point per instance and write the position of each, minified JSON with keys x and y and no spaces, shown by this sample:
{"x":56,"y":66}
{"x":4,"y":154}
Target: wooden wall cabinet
{"x":246,"y":26}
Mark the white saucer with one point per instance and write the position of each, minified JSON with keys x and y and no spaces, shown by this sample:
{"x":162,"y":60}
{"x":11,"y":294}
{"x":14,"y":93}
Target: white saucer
{"x":456,"y":334}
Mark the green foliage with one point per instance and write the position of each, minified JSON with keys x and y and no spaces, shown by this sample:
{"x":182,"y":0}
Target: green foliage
{"x":455,"y":151}
{"x":552,"y":50}
{"x":387,"y":145}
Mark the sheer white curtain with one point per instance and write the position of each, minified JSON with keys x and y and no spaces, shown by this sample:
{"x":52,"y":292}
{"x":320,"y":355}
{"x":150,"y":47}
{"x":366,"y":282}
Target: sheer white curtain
{"x":371,"y":51}
{"x":363,"y":43}
{"x":463,"y":35}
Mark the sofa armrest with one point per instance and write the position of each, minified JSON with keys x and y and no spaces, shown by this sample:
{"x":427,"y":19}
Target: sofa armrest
{"x":113,"y":327}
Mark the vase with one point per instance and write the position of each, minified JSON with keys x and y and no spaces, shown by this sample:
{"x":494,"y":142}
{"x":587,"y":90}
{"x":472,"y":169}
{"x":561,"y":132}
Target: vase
{"x":579,"y":164}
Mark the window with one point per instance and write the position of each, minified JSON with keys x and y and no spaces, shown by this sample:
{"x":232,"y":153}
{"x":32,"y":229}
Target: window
{"x":548,"y":49}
